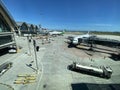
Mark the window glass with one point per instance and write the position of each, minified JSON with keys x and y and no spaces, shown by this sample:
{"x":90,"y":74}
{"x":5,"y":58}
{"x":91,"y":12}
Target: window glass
{"x":5,"y":39}
{"x":3,"y":25}
{"x":23,"y":27}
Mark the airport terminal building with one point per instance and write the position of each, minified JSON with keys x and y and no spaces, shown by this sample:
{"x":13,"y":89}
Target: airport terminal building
{"x":26,"y":28}
{"x":7,"y":25}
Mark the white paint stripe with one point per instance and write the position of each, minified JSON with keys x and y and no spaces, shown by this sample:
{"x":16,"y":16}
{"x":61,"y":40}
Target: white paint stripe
{"x":13,"y":58}
{"x":42,"y":48}
{"x":40,"y":77}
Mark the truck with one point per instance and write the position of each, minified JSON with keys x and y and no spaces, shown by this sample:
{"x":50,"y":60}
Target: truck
{"x":102,"y":71}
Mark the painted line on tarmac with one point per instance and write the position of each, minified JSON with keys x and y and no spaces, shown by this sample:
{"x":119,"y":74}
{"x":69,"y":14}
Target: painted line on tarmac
{"x":41,"y":75}
{"x":14,"y":57}
{"x":42,"y":48}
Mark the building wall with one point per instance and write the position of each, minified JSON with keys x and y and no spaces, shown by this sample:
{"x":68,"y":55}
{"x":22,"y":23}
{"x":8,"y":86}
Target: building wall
{"x":31,"y":28}
{"x":6,"y":17}
{"x":27,"y":28}
{"x":24,"y":28}
{"x":6,"y":28}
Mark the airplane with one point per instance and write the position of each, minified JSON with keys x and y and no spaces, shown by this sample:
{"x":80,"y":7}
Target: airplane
{"x":91,"y":40}
{"x":56,"y":33}
{"x":76,"y":40}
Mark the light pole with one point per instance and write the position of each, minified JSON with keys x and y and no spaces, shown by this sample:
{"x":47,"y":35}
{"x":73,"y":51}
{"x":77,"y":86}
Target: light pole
{"x":29,"y":45}
{"x":34,"y":44}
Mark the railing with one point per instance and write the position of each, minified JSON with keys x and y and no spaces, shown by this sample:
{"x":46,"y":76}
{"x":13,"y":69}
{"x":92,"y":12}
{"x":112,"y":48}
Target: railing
{"x":6,"y":39}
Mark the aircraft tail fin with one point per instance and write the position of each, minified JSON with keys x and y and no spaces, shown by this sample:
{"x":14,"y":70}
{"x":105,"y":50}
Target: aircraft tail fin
{"x":88,"y":33}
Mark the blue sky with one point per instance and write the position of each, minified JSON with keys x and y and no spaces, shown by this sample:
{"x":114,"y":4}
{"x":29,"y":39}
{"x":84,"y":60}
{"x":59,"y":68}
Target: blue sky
{"x":102,"y":15}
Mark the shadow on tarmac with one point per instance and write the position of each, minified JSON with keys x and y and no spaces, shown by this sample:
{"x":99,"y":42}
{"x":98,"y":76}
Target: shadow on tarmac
{"x":94,"y":86}
{"x":113,"y":55}
{"x":30,"y":66}
{"x":3,"y":51}
{"x":71,"y":46}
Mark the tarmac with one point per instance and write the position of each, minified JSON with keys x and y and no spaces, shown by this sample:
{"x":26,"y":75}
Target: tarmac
{"x":53,"y":59}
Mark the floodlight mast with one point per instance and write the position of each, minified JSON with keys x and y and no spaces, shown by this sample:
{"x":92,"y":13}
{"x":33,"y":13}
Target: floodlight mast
{"x":29,"y":45}
{"x":34,"y":44}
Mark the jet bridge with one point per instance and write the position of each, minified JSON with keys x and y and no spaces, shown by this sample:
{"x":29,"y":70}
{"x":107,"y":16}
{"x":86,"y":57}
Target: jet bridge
{"x":105,"y":42}
{"x":95,"y":40}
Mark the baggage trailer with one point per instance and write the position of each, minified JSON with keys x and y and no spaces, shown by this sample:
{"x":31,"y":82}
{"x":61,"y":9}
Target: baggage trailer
{"x":101,"y":71}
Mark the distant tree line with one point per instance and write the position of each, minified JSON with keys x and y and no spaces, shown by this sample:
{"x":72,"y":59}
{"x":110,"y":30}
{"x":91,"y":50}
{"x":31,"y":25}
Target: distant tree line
{"x":106,"y":33}
{"x":94,"y":32}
